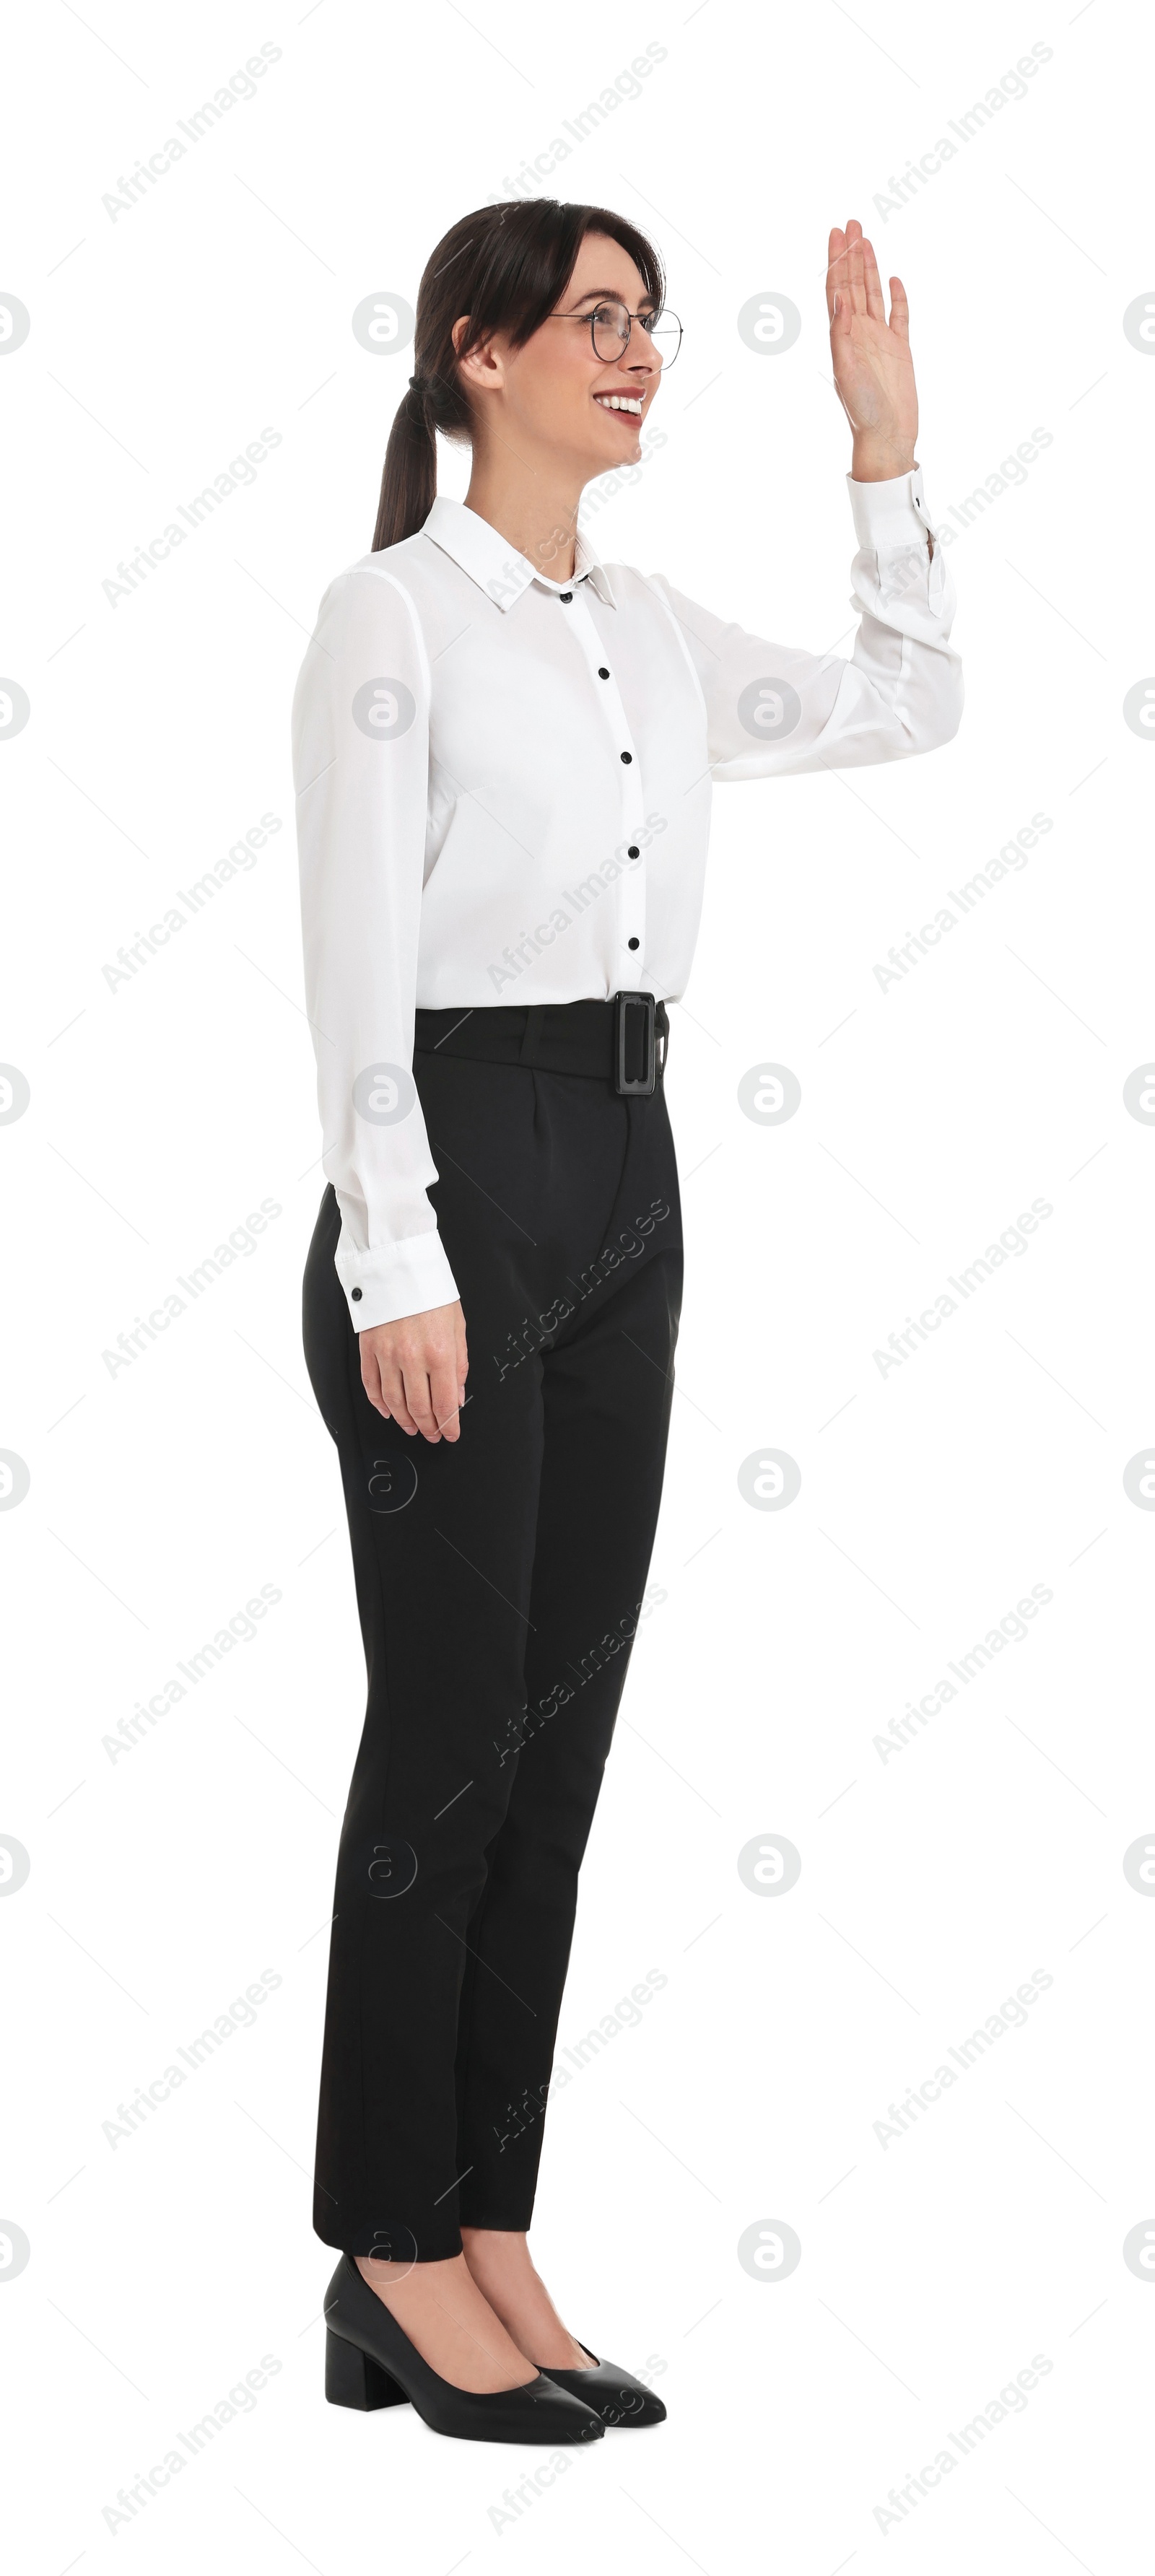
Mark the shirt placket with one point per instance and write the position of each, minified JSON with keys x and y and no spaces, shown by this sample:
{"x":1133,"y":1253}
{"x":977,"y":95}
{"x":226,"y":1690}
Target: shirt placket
{"x":627,"y":892}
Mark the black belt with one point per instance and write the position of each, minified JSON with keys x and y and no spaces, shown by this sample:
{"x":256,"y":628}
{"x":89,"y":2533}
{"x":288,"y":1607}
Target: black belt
{"x":614,"y":1040}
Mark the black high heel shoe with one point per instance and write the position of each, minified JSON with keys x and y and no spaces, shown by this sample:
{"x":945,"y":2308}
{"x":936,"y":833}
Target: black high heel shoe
{"x":370,"y":2362}
{"x":615,"y":2395}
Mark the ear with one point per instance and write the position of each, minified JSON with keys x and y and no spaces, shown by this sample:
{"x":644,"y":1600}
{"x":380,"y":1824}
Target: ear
{"x":482,"y":368}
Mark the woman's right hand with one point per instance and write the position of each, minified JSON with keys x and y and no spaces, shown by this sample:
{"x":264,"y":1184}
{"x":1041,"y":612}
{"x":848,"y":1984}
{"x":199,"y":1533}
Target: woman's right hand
{"x":414,"y":1370}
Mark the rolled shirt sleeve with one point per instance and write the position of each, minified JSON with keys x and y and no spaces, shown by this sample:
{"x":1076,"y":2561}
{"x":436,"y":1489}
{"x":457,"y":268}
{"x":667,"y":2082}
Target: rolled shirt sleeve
{"x":360,"y":733}
{"x":773,"y":710}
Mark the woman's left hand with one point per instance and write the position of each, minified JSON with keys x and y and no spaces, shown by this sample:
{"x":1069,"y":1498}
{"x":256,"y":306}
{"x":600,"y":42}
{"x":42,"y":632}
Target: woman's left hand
{"x":873,"y":373}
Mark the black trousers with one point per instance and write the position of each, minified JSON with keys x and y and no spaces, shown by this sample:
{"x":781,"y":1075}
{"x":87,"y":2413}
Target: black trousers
{"x":499,"y":1581}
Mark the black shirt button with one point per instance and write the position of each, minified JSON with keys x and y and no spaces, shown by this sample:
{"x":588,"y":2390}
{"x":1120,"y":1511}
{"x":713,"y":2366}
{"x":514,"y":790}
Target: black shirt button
{"x":627,"y":756}
{"x":603,"y":674}
{"x":633,"y":851}
{"x":633,"y":943}
{"x":566,"y":595}
{"x":354,"y":1293}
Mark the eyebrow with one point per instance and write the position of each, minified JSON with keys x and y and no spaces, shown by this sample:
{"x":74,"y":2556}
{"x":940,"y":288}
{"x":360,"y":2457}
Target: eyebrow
{"x":594,"y":294}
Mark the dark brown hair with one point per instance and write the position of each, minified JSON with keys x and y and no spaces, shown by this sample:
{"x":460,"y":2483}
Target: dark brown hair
{"x":507,"y":266}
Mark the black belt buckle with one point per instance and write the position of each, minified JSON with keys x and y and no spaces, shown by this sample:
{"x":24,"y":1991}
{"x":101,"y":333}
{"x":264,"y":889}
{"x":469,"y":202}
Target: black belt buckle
{"x":634,"y":1042}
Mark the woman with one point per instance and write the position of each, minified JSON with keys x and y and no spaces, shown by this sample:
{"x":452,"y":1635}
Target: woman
{"x":503,"y":753}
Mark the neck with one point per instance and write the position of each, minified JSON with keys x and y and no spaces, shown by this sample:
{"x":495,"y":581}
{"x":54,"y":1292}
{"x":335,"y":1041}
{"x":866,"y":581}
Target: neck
{"x":536,"y":513}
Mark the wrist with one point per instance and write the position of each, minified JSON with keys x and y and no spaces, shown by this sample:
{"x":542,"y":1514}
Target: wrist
{"x":873,"y":461}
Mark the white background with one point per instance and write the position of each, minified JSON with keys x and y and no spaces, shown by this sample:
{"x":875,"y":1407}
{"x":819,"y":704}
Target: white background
{"x":934,"y":2265}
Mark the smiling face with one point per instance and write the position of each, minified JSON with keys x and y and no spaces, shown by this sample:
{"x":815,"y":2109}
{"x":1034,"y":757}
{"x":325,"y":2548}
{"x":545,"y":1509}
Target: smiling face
{"x":555,"y":394}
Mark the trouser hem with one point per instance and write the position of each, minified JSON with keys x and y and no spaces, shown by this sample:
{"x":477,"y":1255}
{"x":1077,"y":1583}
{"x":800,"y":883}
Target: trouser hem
{"x":500,"y":2223}
{"x":440,"y":2248}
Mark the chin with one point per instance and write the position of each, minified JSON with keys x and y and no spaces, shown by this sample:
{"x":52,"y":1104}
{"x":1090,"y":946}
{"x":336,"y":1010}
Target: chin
{"x":621,"y":451}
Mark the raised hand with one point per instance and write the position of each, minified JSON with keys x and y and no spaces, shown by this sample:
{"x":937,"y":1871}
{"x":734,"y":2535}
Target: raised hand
{"x":873,"y":373}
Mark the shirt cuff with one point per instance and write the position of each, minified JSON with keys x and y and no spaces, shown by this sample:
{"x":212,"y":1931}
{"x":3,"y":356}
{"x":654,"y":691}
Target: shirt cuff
{"x":890,"y":514}
{"x":393,"y":1280}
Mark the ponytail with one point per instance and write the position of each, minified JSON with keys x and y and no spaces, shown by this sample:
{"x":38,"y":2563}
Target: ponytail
{"x":409,"y":481}
{"x":506,"y":269}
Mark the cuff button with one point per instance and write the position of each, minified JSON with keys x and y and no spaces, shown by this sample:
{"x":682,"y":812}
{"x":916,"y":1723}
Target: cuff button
{"x":354,"y":1293}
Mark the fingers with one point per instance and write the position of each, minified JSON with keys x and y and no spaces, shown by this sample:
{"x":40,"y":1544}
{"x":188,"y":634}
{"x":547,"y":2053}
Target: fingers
{"x":445,"y":1394}
{"x":845,"y":293}
{"x":419,"y":1399}
{"x":854,"y":276}
{"x":405,"y":1395}
{"x":393,"y":1398}
{"x":853,"y":284}
{"x":371,"y":1373}
{"x":872,"y":283}
{"x":899,"y":309}
{"x":460,"y":1368}
{"x":835,"y":249}
{"x":414,"y":1371}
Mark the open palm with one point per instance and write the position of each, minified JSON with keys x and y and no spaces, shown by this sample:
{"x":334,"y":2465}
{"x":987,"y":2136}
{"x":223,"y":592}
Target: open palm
{"x":873,"y":372}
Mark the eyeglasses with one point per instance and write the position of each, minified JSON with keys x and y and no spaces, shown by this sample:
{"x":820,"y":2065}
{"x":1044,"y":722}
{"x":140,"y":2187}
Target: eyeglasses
{"x":611,"y":324}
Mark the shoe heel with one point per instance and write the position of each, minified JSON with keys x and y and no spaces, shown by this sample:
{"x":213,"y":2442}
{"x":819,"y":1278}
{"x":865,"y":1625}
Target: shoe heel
{"x":352,"y":2379}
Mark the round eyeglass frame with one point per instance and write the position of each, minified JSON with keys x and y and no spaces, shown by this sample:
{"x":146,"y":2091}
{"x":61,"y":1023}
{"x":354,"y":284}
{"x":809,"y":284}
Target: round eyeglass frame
{"x":664,"y":316}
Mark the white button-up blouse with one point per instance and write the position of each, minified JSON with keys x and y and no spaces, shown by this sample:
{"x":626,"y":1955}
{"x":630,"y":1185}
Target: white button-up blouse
{"x":503,"y":796}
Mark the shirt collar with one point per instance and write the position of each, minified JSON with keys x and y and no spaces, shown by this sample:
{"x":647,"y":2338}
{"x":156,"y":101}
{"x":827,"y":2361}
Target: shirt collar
{"x":497,"y":567}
